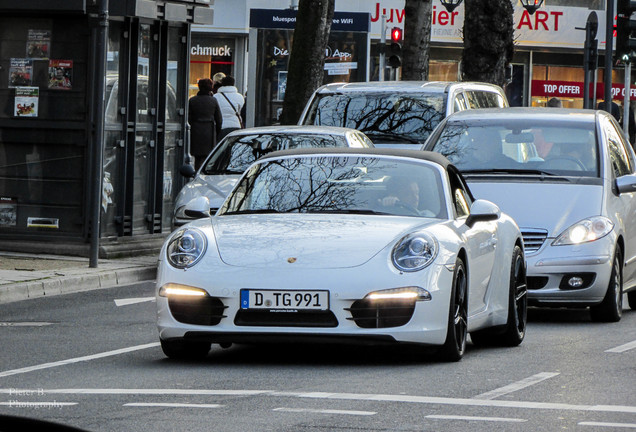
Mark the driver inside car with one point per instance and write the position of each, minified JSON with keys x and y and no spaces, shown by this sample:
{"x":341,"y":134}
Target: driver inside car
{"x":403,"y":195}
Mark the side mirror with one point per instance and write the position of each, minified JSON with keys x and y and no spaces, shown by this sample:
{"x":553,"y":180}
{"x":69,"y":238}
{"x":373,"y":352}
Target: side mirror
{"x":626,"y":183}
{"x":198,"y":208}
{"x":482,"y":211}
{"x":187,"y":170}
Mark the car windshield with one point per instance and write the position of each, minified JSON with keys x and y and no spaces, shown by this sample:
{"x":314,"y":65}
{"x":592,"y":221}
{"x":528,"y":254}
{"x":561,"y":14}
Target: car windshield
{"x":238,"y":152}
{"x":541,"y":147}
{"x":383,"y":117}
{"x":340,"y":184}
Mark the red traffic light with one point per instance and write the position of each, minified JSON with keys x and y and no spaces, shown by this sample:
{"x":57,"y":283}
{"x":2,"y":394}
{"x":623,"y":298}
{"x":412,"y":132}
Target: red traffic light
{"x":396,"y":34}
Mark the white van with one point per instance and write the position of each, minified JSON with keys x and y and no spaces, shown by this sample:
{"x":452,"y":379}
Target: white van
{"x":397,"y":114}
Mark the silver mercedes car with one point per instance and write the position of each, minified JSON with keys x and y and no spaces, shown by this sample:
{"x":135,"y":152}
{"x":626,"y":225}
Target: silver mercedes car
{"x":568,"y":179}
{"x":227,"y":161}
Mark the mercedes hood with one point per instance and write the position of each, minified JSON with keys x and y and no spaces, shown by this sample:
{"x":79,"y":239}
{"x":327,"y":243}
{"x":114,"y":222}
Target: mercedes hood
{"x":542,"y":205}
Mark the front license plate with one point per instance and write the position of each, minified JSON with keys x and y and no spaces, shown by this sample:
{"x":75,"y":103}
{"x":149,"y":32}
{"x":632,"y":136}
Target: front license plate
{"x":284,"y":300}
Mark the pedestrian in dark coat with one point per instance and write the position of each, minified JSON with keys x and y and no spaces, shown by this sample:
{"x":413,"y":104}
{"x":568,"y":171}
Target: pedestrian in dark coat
{"x":206,"y":121}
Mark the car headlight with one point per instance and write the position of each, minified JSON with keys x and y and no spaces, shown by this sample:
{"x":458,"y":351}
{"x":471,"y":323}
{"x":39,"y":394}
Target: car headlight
{"x":587,"y":230}
{"x":414,"y":252}
{"x":186,"y":247}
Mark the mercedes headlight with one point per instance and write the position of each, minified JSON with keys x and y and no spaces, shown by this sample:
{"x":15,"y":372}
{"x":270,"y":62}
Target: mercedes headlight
{"x":414,"y":252}
{"x":586,"y":230}
{"x":186,"y":247}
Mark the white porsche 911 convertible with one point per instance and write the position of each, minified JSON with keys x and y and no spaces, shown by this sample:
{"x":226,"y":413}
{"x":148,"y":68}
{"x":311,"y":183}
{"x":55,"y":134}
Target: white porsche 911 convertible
{"x":368,"y":246}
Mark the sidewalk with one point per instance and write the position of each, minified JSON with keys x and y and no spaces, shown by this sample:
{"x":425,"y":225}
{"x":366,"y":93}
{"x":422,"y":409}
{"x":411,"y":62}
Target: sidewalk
{"x":26,"y":276}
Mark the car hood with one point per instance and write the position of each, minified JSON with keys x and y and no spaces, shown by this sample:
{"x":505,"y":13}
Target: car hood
{"x":215,"y":187}
{"x":307,"y":240}
{"x":550,"y":206}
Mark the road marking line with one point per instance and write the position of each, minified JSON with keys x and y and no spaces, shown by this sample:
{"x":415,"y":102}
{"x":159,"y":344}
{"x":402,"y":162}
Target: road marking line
{"x":466,"y":402}
{"x":612,"y":425}
{"x":130,"y":301}
{"x":172,"y":405}
{"x":527,"y":382}
{"x":350,"y":396}
{"x":77,"y":360}
{"x":325,"y":411}
{"x":623,"y":348}
{"x":492,"y":419}
{"x":139,"y":392}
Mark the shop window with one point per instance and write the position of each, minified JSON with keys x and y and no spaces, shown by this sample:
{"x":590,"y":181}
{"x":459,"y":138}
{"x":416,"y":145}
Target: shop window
{"x":345,"y":61}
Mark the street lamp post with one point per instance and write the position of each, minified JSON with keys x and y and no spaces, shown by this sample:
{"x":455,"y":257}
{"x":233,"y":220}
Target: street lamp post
{"x":530,"y":5}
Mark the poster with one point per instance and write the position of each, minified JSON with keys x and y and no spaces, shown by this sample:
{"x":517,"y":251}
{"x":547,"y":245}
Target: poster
{"x":8,"y":211}
{"x":61,"y":74}
{"x":282,"y":85}
{"x":38,"y":44}
{"x":26,"y":101}
{"x":20,"y":72}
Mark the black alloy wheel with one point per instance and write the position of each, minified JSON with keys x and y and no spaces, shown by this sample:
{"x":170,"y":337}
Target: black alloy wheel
{"x":513,"y":333}
{"x":517,"y":302}
{"x":455,"y":344}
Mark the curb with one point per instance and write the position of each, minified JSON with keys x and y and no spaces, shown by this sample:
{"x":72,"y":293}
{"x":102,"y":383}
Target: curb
{"x":71,"y":284}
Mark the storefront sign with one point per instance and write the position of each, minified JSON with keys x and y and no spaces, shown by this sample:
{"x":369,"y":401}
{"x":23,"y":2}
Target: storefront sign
{"x":550,"y":26}
{"x":286,"y":19}
{"x":216,"y":51}
{"x":569,"y":89}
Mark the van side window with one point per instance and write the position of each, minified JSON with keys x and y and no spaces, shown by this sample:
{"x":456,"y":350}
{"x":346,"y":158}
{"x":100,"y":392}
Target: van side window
{"x":459,"y":104}
{"x":484,"y":99}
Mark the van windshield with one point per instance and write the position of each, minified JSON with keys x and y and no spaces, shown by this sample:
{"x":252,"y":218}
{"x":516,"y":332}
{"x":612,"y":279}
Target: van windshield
{"x":385,"y":118}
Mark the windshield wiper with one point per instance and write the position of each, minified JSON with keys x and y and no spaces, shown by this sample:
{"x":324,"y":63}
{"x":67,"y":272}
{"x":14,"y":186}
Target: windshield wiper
{"x":219,"y":172}
{"x":350,"y":211}
{"x":252,"y":211}
{"x":391,"y":137}
{"x":508,"y":171}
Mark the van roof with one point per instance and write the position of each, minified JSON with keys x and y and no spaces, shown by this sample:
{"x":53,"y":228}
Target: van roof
{"x":403,"y":86}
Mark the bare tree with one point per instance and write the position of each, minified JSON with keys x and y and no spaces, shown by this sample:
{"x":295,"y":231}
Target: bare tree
{"x":307,"y":58}
{"x":417,"y":39}
{"x":488,"y":40}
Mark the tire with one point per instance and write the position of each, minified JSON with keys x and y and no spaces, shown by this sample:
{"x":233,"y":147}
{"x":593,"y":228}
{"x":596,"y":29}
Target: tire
{"x":514,"y":331}
{"x":185,"y":350}
{"x":457,"y":332}
{"x":631,"y":300}
{"x":611,"y":308}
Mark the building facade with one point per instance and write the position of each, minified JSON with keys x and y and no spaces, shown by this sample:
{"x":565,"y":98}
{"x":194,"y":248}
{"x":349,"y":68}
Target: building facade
{"x":548,"y":56}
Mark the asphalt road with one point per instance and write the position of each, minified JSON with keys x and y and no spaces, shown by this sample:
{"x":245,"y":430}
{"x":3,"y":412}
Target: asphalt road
{"x":92,"y":360}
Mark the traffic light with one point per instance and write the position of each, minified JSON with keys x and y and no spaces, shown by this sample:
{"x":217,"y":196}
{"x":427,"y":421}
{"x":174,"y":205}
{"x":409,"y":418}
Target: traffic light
{"x":625,"y":26}
{"x":395,"y":60}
